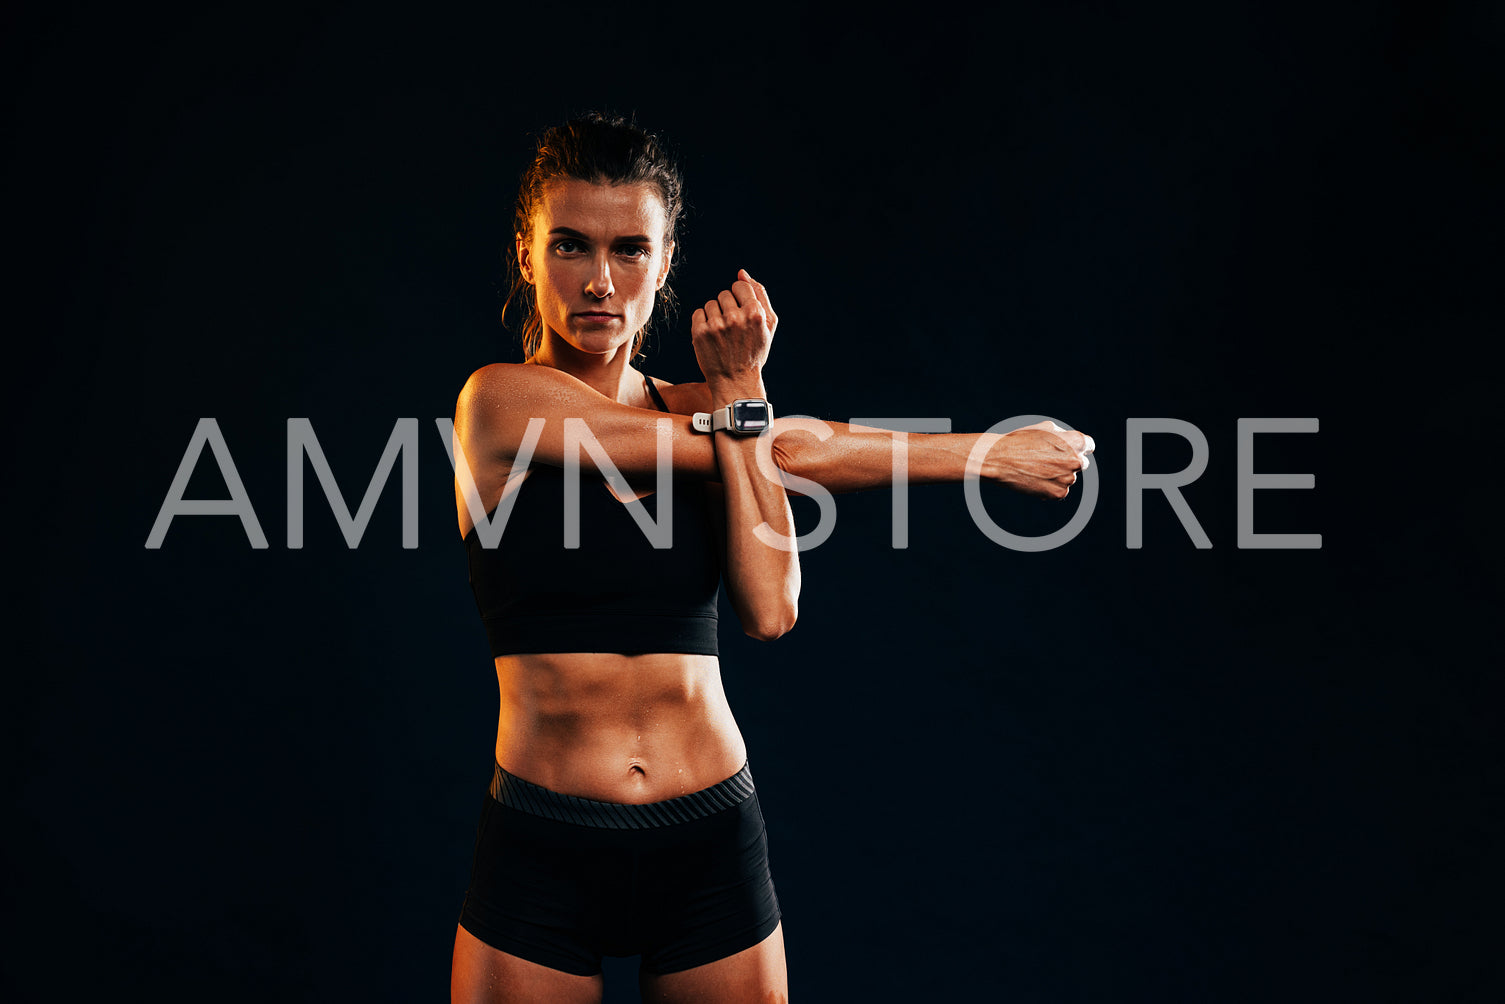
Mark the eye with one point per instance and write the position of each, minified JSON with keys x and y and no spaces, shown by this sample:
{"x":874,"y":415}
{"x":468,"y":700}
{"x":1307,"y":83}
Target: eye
{"x":633,"y":251}
{"x":568,"y":246}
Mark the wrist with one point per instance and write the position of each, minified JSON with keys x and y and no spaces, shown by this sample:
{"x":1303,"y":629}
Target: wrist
{"x":998,"y":462}
{"x":726,"y":389}
{"x":740,"y":417}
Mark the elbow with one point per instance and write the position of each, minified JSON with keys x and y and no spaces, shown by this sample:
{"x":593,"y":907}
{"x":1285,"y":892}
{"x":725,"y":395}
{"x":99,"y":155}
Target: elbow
{"x":771,"y":625}
{"x":797,"y":450}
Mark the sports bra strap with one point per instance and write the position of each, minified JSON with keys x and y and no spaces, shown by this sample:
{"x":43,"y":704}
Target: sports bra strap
{"x":653,"y":392}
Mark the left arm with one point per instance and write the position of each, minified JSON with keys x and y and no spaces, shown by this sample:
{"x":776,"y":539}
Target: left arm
{"x":731,"y":335}
{"x":762,"y":580}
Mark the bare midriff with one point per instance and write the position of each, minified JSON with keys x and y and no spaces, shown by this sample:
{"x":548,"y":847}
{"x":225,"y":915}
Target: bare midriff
{"x":616,"y":728}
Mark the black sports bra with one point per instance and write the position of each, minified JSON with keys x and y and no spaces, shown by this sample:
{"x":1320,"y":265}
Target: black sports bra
{"x":616,"y":592}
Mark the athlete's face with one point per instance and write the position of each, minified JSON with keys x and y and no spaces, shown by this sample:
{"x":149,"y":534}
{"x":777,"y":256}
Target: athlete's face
{"x":596,"y":259}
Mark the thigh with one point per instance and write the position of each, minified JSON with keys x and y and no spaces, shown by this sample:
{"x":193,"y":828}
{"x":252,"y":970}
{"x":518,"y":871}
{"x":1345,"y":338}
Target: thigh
{"x":484,"y":975}
{"x":546,"y":891}
{"x":756,"y":975}
{"x":706,"y":891}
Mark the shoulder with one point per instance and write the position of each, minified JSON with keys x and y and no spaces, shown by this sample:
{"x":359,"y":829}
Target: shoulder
{"x":516,"y":383}
{"x":684,"y":398}
{"x":500,"y":375}
{"x":488,"y":379}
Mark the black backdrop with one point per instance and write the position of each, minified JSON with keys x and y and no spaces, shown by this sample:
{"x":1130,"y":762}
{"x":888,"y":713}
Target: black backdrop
{"x":1094,"y":773}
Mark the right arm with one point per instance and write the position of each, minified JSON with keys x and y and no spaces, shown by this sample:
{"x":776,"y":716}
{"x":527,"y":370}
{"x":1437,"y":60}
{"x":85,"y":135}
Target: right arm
{"x":1040,"y":460}
{"x":497,"y":402}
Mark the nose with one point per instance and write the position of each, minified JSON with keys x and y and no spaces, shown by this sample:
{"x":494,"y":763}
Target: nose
{"x":599,"y":284}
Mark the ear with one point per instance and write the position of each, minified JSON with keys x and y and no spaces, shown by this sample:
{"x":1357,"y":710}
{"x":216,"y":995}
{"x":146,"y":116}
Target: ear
{"x":663,"y":269}
{"x":525,"y":260}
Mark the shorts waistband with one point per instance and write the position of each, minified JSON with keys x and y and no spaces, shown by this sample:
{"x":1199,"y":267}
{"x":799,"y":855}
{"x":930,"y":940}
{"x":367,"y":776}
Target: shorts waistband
{"x":514,"y":792}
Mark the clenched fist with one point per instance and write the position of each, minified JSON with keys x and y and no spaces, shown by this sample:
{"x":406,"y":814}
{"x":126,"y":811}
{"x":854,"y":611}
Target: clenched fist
{"x":733,"y":333}
{"x":1041,"y":459}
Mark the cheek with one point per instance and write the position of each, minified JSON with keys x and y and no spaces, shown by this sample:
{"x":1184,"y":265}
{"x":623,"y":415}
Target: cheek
{"x":644,"y":282}
{"x":643,"y":299}
{"x":548,"y":282}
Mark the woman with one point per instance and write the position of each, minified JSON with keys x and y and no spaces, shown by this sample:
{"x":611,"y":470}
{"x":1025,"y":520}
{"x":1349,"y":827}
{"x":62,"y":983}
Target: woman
{"x":622,"y":817}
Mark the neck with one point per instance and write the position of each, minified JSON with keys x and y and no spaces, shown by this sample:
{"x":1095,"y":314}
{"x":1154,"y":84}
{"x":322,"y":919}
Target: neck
{"x":609,"y":373}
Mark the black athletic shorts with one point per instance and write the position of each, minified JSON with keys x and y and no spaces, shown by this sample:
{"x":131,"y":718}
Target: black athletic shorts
{"x":562,"y":881}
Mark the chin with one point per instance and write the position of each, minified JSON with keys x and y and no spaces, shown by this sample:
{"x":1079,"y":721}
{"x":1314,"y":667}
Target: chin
{"x":600,"y":347}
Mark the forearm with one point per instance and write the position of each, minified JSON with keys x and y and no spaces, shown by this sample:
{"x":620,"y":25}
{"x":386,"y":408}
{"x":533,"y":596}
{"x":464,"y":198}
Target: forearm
{"x":763,"y":578}
{"x":855,"y":457}
{"x":1040,"y":460}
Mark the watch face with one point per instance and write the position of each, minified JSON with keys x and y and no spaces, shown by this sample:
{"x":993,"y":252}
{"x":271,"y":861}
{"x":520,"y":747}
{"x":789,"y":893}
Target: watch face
{"x":749,"y":417}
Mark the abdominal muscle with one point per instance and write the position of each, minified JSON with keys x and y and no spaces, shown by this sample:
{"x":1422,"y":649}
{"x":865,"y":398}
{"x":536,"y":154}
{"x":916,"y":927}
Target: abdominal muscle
{"x":616,"y":728}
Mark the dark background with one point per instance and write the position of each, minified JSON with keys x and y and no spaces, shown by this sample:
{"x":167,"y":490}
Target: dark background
{"x":1089,"y":774}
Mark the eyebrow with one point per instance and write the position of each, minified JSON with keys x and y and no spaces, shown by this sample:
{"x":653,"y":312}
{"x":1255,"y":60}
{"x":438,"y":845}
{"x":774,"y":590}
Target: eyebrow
{"x":571,"y":232}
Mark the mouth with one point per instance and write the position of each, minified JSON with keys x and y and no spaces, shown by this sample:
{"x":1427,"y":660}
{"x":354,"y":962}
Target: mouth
{"x":596,"y":315}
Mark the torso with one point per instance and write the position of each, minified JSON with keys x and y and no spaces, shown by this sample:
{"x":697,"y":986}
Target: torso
{"x":606,"y":726}
{"x":618,"y":728}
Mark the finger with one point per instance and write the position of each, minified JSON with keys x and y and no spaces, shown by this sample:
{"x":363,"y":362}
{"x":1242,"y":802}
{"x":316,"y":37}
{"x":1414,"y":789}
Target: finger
{"x":759,"y":290}
{"x":743,"y":291}
{"x":712,"y":312}
{"x":1078,"y":442}
{"x":1091,"y":446}
{"x":728,"y":301}
{"x":1086,"y":459}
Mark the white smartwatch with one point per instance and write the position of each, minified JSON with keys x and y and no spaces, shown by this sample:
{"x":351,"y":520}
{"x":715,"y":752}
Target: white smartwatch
{"x":745,"y":417}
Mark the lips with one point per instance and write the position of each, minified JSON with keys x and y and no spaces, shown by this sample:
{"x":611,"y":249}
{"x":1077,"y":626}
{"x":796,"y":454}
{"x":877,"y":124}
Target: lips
{"x":596,"y":316}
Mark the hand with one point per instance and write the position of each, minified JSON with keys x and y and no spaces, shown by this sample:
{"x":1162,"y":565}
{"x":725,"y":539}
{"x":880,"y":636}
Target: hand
{"x":733,"y":333}
{"x":1041,"y":459}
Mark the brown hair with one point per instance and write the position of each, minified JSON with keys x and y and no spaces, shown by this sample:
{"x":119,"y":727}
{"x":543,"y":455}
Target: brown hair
{"x":604,"y":150}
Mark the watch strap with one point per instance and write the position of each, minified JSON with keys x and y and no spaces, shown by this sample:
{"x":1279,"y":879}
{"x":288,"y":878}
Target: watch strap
{"x":721,"y":419}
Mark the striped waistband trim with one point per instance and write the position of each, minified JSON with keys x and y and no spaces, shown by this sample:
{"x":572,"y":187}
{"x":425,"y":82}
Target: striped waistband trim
{"x":514,"y":792}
